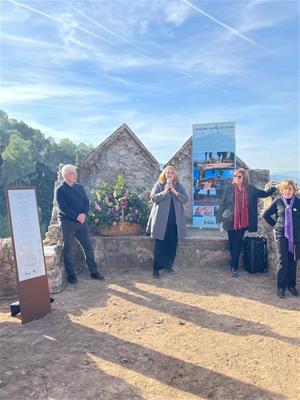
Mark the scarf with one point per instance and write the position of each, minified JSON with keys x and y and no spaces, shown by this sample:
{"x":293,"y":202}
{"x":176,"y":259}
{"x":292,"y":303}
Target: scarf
{"x":241,"y":216}
{"x":288,"y":223}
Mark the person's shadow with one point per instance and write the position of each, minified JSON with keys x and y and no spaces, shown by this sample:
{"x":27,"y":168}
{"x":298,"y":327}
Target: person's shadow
{"x":59,"y":357}
{"x":198,"y":316}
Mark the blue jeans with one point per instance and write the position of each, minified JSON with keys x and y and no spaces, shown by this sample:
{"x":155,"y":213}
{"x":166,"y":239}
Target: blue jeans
{"x":72,"y":230}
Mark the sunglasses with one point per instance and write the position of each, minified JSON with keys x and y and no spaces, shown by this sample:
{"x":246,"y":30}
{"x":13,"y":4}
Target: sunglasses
{"x":238,"y":176}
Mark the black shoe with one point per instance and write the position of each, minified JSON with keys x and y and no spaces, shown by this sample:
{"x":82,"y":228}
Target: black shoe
{"x":281,"y":293}
{"x":294,"y":291}
{"x":156,"y":275}
{"x":171,"y":271}
{"x":234,"y":273}
{"x":72,"y":280}
{"x":97,"y":276}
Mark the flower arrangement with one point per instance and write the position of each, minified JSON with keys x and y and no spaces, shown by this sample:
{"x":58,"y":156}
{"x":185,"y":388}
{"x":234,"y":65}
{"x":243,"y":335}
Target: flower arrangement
{"x":112,"y":204}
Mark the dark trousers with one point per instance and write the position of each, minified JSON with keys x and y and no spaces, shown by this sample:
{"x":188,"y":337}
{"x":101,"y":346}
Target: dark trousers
{"x":165,"y":250}
{"x":286,"y":265}
{"x":72,"y":230}
{"x":235,"y":238}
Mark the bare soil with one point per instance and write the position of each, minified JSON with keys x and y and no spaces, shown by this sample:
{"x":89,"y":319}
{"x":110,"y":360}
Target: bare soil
{"x":198,"y":334}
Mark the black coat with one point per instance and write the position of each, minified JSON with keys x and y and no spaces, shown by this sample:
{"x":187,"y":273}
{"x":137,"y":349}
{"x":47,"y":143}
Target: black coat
{"x":275,"y":216}
{"x":227,"y":202}
{"x":71,"y":201}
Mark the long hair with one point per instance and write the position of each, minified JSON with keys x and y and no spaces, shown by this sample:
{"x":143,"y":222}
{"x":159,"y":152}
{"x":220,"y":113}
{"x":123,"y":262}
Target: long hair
{"x":162,"y":176}
{"x":245,"y":174}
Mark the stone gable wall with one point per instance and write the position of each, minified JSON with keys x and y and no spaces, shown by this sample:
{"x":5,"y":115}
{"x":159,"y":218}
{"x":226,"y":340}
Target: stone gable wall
{"x":120,"y":157}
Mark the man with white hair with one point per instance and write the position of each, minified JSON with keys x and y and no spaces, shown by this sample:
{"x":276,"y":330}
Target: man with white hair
{"x":73,"y":206}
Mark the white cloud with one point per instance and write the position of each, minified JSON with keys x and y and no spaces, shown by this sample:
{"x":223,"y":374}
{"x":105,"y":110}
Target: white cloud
{"x":13,"y":93}
{"x":27,"y":41}
{"x":257,"y":15}
{"x":177,"y":12}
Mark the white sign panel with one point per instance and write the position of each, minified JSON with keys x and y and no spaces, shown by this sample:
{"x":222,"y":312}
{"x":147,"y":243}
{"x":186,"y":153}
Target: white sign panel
{"x":26,"y":233}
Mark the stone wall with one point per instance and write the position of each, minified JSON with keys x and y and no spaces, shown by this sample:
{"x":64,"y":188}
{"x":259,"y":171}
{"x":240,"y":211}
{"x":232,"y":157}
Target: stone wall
{"x":121,"y":154}
{"x":199,"y":248}
{"x":8,"y":281}
{"x":182,"y":162}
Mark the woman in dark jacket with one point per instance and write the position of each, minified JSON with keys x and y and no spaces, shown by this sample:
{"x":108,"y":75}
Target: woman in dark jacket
{"x":166,"y":223}
{"x":284,"y":215}
{"x":238,"y":212}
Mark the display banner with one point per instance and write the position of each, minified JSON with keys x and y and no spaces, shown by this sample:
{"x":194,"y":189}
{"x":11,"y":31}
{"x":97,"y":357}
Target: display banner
{"x":213,"y":168}
{"x":32,"y":282}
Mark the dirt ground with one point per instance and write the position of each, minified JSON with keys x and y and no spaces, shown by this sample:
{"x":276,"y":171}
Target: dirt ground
{"x":198,"y":334}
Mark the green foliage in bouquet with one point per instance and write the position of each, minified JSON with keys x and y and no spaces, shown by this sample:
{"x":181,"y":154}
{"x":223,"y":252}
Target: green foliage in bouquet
{"x":112,"y":204}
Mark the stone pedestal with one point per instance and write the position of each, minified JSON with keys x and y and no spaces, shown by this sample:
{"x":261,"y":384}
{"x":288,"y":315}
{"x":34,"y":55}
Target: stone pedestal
{"x":55,"y":268}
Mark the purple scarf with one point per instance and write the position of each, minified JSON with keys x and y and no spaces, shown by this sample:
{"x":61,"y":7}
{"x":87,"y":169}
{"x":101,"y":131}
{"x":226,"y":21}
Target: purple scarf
{"x":288,"y":223}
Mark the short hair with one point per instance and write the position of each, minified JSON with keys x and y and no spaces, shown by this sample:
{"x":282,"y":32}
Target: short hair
{"x":162,"y":176}
{"x":287,"y":182}
{"x":68,"y":168}
{"x":245,"y":174}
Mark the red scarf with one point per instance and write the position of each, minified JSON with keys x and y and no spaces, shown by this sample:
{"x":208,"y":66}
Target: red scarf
{"x":241,"y":217}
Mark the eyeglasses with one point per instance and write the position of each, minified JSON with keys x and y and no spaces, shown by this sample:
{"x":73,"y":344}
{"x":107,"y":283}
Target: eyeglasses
{"x":238,"y":176}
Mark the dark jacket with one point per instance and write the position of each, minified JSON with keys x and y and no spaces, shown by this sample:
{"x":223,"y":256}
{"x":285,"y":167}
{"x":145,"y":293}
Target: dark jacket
{"x":275,"y":216}
{"x":158,"y":219}
{"x":227,"y":202}
{"x":71,"y":201}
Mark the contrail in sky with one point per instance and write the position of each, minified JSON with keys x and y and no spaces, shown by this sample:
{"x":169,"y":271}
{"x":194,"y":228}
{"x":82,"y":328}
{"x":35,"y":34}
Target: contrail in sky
{"x":229,"y":28}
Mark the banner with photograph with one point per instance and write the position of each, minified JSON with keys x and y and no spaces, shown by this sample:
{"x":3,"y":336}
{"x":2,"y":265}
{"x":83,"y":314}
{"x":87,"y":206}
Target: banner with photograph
{"x":213,"y":167}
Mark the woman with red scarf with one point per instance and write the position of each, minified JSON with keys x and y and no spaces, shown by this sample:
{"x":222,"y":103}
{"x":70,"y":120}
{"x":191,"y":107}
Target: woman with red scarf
{"x":284,"y":216}
{"x":238,"y":212}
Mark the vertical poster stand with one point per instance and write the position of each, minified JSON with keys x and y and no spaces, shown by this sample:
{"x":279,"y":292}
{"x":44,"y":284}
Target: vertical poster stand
{"x":213,"y":168}
{"x":32,"y":281}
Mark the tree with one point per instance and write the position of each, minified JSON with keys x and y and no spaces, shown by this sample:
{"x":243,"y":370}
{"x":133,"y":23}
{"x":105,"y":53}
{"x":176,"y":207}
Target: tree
{"x":18,"y":162}
{"x":30,"y":158}
{"x":83,"y":150}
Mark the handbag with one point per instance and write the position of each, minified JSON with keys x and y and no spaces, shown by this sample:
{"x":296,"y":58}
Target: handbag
{"x":227,"y":215}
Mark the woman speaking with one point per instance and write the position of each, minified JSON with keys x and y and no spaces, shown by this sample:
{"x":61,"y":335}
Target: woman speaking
{"x":166,"y":223}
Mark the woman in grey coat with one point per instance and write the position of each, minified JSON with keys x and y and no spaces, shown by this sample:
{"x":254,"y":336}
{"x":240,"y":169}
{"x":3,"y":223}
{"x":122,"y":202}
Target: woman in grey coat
{"x":166,"y":223}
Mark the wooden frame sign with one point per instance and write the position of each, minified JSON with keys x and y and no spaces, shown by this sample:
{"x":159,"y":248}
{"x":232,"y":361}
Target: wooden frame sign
{"x":32,"y":281}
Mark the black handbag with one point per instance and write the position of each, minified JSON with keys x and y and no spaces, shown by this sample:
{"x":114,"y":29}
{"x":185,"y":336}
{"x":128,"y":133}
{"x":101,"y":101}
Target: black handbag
{"x":227,"y":215}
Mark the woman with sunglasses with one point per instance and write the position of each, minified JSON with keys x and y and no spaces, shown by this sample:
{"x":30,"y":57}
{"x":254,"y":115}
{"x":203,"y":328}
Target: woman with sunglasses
{"x":284,"y":215}
{"x":238,"y":212}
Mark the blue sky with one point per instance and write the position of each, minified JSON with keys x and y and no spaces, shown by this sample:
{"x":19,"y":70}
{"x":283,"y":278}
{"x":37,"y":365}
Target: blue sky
{"x":81,"y":68}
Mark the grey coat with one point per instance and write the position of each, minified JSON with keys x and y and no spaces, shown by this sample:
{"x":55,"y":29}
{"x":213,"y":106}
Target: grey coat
{"x":157,"y":223}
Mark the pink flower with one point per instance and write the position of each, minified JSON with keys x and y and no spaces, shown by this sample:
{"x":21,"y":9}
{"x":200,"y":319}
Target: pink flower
{"x":98,"y":207}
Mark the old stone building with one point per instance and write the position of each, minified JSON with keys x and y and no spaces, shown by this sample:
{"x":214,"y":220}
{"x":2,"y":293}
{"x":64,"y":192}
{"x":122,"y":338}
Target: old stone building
{"x":122,"y":153}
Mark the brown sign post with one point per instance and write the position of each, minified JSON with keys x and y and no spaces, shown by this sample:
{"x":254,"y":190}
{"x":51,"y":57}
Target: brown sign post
{"x":32,"y":281}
